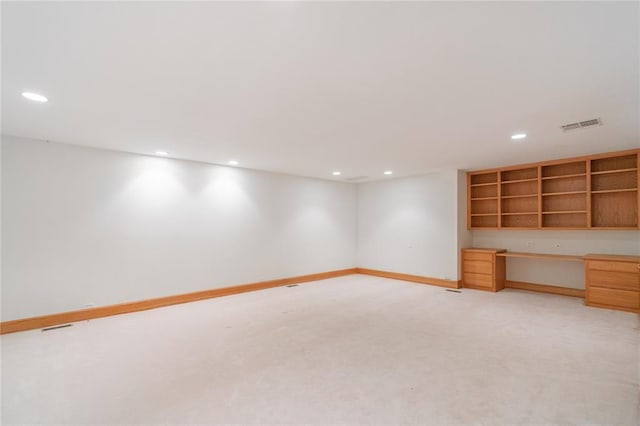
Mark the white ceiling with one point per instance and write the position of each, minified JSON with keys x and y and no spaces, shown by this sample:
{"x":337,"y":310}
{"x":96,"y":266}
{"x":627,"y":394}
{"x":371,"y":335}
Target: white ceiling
{"x":309,"y":88}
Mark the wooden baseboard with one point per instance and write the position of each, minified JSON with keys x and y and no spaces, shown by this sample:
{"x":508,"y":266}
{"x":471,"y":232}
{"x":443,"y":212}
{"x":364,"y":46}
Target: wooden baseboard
{"x":142,"y":305}
{"x":543,"y":288}
{"x":413,"y":278}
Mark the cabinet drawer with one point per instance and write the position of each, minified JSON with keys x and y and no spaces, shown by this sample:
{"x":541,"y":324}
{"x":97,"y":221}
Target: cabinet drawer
{"x":471,"y":255}
{"x":613,"y":266}
{"x":477,"y":266}
{"x":480,"y":280}
{"x":612,"y":297}
{"x":619,"y":280}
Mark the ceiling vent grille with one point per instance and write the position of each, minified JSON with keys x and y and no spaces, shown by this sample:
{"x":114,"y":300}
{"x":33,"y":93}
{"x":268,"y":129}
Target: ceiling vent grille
{"x":582,"y":124}
{"x":356,"y":178}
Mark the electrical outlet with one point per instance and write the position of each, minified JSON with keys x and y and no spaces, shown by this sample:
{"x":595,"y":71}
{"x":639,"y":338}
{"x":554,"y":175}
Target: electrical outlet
{"x":89,"y":305}
{"x":530,"y":244}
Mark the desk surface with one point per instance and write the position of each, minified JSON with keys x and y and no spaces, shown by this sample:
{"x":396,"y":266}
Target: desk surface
{"x":618,"y":257}
{"x":567,"y":257}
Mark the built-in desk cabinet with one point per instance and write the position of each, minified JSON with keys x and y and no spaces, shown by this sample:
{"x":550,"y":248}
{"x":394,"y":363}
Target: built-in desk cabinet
{"x":613,"y":282}
{"x":592,"y":192}
{"x":482,"y":269}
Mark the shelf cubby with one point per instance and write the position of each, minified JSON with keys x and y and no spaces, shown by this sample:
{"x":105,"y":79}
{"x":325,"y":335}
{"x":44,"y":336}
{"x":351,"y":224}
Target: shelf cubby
{"x":520,"y":205}
{"x":613,"y":163}
{"x":565,"y":202}
{"x":564,"y":219}
{"x":612,"y":181}
{"x":484,"y":206}
{"x":614,"y":209}
{"x":519,"y":174}
{"x":484,"y":178}
{"x":484,"y":221}
{"x":565,"y":184}
{"x":576,"y":168}
{"x":520,"y":220}
{"x":520,"y":189}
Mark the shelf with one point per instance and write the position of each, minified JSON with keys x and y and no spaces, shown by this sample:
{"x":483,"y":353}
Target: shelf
{"x":519,"y":214}
{"x":483,"y":184}
{"x":564,"y":176}
{"x":565,"y":212}
{"x":519,"y":196}
{"x":615,"y":228}
{"x":484,"y":198}
{"x":519,"y":180}
{"x":484,"y":214}
{"x":563,"y":193}
{"x":606,"y":172}
{"x":608,"y":191}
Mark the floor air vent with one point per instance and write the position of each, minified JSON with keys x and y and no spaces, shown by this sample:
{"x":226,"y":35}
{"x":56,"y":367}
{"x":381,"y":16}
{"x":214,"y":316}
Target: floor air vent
{"x":454,"y":291}
{"x":582,"y":124}
{"x":55,"y":327}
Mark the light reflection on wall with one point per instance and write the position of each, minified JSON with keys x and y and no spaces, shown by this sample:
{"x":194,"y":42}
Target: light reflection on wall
{"x":155,"y":185}
{"x":225,"y":191}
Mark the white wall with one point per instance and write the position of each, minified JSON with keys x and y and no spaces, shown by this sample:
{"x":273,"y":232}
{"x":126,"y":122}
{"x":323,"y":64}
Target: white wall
{"x":561,"y":273}
{"x":410,"y":225}
{"x":83,"y":225}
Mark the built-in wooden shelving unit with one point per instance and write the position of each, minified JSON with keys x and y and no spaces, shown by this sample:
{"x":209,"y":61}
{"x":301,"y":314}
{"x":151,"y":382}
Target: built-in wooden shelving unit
{"x":592,"y":192}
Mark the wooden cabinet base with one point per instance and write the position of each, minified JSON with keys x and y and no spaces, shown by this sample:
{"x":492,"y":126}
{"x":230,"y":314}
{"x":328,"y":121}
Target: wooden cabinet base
{"x":483,"y":270}
{"x":613,"y":282}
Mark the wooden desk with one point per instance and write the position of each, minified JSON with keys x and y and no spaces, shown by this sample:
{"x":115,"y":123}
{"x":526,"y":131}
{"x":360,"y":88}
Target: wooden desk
{"x":611,"y":281}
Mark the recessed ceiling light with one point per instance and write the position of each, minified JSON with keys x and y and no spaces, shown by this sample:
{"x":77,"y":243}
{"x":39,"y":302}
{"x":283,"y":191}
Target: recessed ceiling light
{"x":232,"y":163}
{"x":388,"y":172}
{"x":336,"y":173}
{"x":162,"y":153}
{"x":34,"y":97}
{"x":518,"y":136}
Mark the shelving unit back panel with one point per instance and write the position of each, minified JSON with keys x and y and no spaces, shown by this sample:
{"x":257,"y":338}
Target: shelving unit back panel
{"x":520,"y":188}
{"x":564,"y":169}
{"x":570,"y":220}
{"x":519,"y":174}
{"x":484,"y":178}
{"x":570,"y":184}
{"x":610,"y":181}
{"x":565,"y":202}
{"x":519,"y":205}
{"x":484,"y":191}
{"x":614,"y":209}
{"x":484,"y":221}
{"x":614,"y":163}
{"x":484,"y":206}
{"x":520,"y":221}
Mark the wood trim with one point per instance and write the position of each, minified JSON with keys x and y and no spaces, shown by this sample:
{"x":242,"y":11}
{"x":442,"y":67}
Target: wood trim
{"x":558,"y":161}
{"x":143,"y":305}
{"x":413,"y":278}
{"x":543,"y":288}
{"x":614,"y":307}
{"x":613,"y":257}
{"x":567,"y":257}
{"x":588,"y":189}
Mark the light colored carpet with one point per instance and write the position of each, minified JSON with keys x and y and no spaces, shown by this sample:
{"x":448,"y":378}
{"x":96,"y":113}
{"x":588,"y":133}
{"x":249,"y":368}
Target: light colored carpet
{"x":350,"y":350}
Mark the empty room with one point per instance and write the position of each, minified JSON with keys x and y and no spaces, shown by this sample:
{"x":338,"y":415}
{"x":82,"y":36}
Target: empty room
{"x":331,"y":213}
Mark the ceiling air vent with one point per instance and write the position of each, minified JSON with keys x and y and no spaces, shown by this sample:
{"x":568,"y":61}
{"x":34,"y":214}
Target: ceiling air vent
{"x":582,"y":124}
